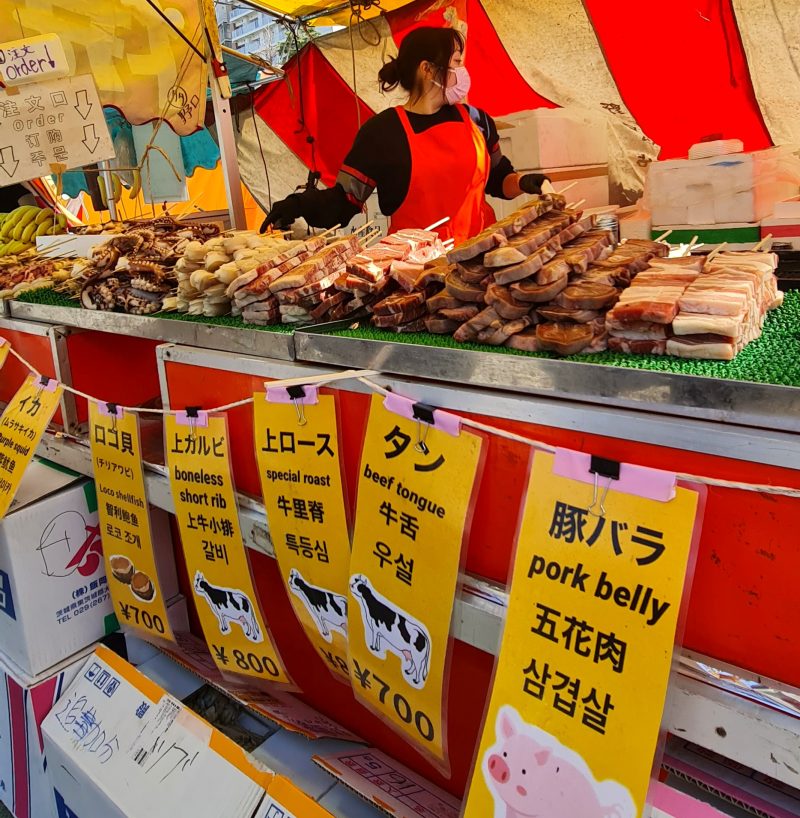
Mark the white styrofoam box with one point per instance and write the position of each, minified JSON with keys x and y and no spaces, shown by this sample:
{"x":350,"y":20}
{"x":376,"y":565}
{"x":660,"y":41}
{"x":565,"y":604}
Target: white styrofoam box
{"x":174,"y":678}
{"x":636,"y":225}
{"x":742,"y":187}
{"x":554,"y":138}
{"x":70,"y":246}
{"x":342,"y":802}
{"x":591,"y":184}
{"x":291,"y":754}
{"x":24,"y":702}
{"x":788,"y":209}
{"x":119,"y":746}
{"x":718,"y":147}
{"x":54,"y":596}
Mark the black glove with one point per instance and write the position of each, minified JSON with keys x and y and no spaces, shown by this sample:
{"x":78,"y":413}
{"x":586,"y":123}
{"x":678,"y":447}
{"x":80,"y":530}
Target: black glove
{"x":532,"y":183}
{"x":283,"y":213}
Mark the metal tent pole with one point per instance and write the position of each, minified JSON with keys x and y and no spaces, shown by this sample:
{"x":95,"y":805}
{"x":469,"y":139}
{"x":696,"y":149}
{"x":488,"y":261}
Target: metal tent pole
{"x":227,"y":149}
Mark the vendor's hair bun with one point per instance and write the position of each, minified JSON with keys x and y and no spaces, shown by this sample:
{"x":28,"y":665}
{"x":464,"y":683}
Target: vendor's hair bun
{"x":425,"y":44}
{"x":389,"y":75}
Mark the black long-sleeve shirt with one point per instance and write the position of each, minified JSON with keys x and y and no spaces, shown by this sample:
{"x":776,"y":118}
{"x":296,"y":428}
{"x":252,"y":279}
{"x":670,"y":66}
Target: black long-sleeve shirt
{"x":381,"y":158}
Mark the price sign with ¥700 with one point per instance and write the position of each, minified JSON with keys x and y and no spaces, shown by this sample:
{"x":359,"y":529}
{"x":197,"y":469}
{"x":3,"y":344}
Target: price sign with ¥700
{"x":125,"y":520}
{"x":297,"y":448}
{"x":414,"y":493}
{"x":207,"y":512}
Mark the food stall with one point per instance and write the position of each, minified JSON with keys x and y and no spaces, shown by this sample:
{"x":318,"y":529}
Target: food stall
{"x":729,"y":426}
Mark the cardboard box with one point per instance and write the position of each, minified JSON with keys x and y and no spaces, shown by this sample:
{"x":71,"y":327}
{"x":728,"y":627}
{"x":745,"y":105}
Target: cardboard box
{"x":554,"y":138}
{"x":782,"y":230}
{"x":742,"y":187}
{"x":24,"y":703}
{"x":342,"y":802}
{"x":54,"y":597}
{"x":119,"y":746}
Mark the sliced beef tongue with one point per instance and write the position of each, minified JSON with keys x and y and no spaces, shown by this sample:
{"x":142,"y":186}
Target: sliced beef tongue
{"x":460,"y":314}
{"x":563,"y":338}
{"x":498,"y":332}
{"x":505,"y":304}
{"x":459,"y":288}
{"x":473,"y":272}
{"x":440,"y":325}
{"x":531,"y":265}
{"x":469,"y":331}
{"x":538,"y":293}
{"x":554,"y":313}
{"x":472,"y":248}
{"x":587,"y":296}
{"x":527,"y":341}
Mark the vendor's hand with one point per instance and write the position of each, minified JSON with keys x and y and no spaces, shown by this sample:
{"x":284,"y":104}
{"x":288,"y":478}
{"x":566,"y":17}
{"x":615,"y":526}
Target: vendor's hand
{"x":532,"y":183}
{"x":283,"y":213}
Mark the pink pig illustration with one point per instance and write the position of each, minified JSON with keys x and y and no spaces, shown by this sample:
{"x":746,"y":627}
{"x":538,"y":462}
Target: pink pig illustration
{"x":531,"y":775}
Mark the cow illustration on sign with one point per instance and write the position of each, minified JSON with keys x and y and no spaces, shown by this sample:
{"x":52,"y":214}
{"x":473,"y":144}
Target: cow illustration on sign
{"x":387,"y":626}
{"x":328,"y":610}
{"x":530,"y":773}
{"x":229,"y":605}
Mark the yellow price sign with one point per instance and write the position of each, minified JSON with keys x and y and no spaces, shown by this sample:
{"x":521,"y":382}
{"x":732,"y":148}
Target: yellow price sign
{"x":4,"y":350}
{"x":574,"y":717}
{"x":198,"y":457}
{"x":21,"y":428}
{"x":301,"y":482}
{"x":414,"y":492}
{"x":125,"y":521}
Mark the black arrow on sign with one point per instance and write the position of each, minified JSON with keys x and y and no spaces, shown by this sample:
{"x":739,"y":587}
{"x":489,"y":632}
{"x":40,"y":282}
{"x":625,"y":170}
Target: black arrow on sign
{"x":90,"y":142}
{"x":49,"y":58}
{"x":8,"y":162}
{"x":83,"y":108}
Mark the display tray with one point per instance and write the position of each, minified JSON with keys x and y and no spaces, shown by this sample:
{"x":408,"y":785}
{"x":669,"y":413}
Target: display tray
{"x":759,"y":387}
{"x":224,"y":333}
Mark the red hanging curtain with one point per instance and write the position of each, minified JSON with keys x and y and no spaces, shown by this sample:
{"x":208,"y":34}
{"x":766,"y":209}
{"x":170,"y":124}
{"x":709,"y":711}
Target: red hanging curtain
{"x":681,"y":69}
{"x":313,"y":111}
{"x":497,"y":86}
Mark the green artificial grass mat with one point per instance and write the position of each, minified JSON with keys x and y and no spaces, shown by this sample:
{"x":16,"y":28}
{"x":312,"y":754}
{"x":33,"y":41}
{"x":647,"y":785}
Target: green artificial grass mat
{"x":773,"y":358}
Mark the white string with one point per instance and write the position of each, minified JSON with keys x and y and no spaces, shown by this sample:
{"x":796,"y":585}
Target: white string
{"x":474,"y":424}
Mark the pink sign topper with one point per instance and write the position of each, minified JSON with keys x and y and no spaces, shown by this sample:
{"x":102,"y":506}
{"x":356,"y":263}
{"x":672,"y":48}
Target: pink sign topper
{"x":192,"y":417}
{"x":110,"y":410}
{"x":48,"y":384}
{"x":307,"y":395}
{"x":411,"y":410}
{"x":641,"y":481}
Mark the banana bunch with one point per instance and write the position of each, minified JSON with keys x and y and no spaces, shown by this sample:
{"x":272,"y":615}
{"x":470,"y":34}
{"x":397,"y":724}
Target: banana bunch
{"x":20,"y":227}
{"x":115,"y":193}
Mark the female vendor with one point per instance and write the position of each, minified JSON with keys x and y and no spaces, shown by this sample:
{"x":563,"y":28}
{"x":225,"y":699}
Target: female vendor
{"x":430,"y":158}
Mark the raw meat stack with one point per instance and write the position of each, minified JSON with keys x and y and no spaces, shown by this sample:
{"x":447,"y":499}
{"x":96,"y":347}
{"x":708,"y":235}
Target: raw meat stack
{"x":207,"y":268}
{"x":390,"y":279}
{"x":694,"y":308}
{"x":296,"y":286}
{"x":724,"y":308}
{"x":574,"y":320}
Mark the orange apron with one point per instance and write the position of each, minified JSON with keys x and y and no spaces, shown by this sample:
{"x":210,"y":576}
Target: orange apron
{"x":449,"y":171}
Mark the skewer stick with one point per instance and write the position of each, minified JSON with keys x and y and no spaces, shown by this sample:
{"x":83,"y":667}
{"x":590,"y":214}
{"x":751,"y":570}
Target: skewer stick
{"x":568,"y":187}
{"x":688,"y":249}
{"x":329,"y":230}
{"x":664,"y":235}
{"x":364,"y":227}
{"x":716,"y":250}
{"x":576,"y":205}
{"x":438,"y":224}
{"x":763,"y":241}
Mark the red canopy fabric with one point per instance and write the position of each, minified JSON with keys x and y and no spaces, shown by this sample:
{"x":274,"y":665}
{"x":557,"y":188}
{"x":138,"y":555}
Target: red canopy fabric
{"x":313,"y":111}
{"x":681,"y":70}
{"x":497,"y":86}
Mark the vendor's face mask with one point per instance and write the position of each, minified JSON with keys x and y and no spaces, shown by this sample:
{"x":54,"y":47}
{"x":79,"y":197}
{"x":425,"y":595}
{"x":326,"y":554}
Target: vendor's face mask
{"x":456,"y":92}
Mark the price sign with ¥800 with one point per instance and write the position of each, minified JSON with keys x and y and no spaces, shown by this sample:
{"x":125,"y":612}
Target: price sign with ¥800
{"x":580,"y":683}
{"x":414,"y":492}
{"x":298,"y":461}
{"x":125,"y":520}
{"x":21,"y":428}
{"x":207,"y":513}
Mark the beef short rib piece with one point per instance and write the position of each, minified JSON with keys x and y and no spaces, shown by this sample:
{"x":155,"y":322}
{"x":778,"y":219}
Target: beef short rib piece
{"x":440,"y":325}
{"x":564,"y":339}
